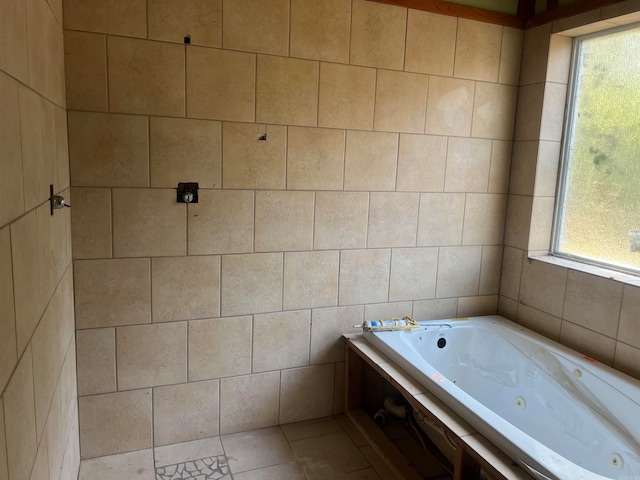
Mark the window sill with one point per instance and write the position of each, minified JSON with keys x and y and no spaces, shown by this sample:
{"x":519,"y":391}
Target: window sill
{"x":621,"y":277}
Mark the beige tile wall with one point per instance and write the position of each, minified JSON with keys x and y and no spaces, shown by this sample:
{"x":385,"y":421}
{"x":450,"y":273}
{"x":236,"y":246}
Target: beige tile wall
{"x":380,"y":191}
{"x":588,"y":312}
{"x":38,"y":399}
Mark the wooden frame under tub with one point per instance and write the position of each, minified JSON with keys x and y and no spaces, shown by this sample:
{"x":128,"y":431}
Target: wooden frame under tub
{"x":473,"y":451}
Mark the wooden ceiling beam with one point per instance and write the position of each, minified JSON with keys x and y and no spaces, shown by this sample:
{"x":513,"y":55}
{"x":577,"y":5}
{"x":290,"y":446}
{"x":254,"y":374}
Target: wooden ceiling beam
{"x":526,"y":10}
{"x":462,"y":11}
{"x":526,"y":17}
{"x":557,"y":13}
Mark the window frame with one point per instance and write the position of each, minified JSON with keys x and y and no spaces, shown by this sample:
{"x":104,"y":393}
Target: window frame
{"x":564,"y":153}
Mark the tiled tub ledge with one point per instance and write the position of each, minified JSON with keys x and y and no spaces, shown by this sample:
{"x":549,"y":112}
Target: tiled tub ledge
{"x":473,"y":452}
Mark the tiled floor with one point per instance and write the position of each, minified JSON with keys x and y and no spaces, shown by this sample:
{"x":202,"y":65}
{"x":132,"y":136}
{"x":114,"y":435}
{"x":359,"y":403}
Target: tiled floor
{"x":329,"y":448}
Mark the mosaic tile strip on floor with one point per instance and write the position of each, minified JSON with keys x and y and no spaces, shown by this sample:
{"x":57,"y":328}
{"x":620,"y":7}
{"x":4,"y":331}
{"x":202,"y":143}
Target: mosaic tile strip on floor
{"x":210,"y":468}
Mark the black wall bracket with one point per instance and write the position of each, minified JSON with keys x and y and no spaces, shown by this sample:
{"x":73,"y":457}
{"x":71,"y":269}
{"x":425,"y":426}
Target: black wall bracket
{"x":56,"y":201}
{"x":187,"y":192}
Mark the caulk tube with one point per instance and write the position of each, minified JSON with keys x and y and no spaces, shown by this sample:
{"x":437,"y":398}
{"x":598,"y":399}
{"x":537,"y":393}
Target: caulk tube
{"x":384,"y":324}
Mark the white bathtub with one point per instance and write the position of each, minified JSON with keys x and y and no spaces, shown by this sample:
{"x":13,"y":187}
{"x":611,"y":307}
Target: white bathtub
{"x":560,"y":414}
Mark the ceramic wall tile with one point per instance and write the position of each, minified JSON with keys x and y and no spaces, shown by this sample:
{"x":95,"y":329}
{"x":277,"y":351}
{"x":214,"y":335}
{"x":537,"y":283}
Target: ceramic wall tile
{"x":115,"y":423}
{"x":494,"y":111}
{"x":248,"y":162}
{"x":510,"y":56}
{"x":201,"y":21}
{"x":269,"y":352}
{"x":91,"y":231}
{"x":117,"y":17}
{"x":219,"y":347}
{"x":62,"y":148}
{"x":13,"y":39}
{"x":484,"y":217}
{"x":8,"y":353}
{"x":628,"y":330}
{"x":378,"y":35}
{"x":401,"y":101}
{"x":284,"y":221}
{"x":517,"y":226}
{"x":371,"y":161}
{"x":310,"y":279}
{"x":96,"y":351}
{"x":588,"y":342}
{"x":185,"y":150}
{"x":20,"y":421}
{"x":347,"y":96}
{"x":287,"y":91}
{"x":148,"y":222}
{"x":477,"y":50}
{"x":413,"y":273}
{"x":315,"y":158}
{"x":364,"y":276}
{"x":4,"y":468}
{"x":251,"y":283}
{"x":146,"y":77}
{"x":107,"y":150}
{"x":626,"y":359}
{"x":441,"y":219}
{"x":530,"y":100}
{"x":393,"y":219}
{"x":490,"y":270}
{"x":185,"y":288}
{"x":593,"y":302}
{"x":151,"y":355}
{"x":11,"y":183}
{"x":249,"y":402}
{"x":45,"y":52}
{"x":256,"y":26}
{"x":28,"y":285}
{"x":37,"y":135}
{"x":112,"y":292}
{"x":543,"y":286}
{"x":327,"y":327}
{"x":542,"y":211}
{"x":421,"y":163}
{"x":535,"y":51}
{"x":500,"y":166}
{"x":539,"y":321}
{"x":449,"y":106}
{"x":468,"y":165}
{"x":435,"y":309}
{"x":306,"y":393}
{"x":559,"y":61}
{"x":85,"y":57}
{"x":341,"y":220}
{"x":221,"y":222}
{"x":321,"y":30}
{"x":458,"y":271}
{"x":185,"y":412}
{"x":221,"y":84}
{"x":431,"y":43}
{"x":511,"y":272}
{"x":553,"y":112}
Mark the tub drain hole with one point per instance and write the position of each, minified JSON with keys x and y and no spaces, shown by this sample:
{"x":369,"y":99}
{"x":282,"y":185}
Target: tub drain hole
{"x":441,"y":342}
{"x":521,"y":403}
{"x":616,"y":461}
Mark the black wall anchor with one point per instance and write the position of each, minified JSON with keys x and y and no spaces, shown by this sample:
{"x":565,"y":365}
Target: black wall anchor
{"x":187,"y":192}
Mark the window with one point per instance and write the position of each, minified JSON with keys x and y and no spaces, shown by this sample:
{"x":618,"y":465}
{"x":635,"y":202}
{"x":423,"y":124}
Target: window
{"x":598,"y":209}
